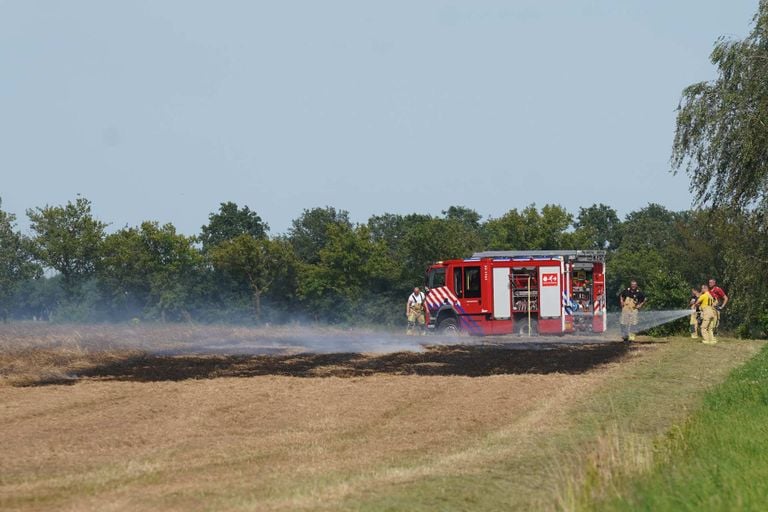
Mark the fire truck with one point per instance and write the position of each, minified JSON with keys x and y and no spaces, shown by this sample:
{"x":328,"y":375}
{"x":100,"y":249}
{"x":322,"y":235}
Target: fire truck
{"x":518,"y":292}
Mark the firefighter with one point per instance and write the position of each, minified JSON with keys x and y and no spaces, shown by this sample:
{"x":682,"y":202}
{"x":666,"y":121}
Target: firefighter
{"x":415,"y":310}
{"x":631,"y":300}
{"x":707,"y":305}
{"x":721,"y":298}
{"x":695,"y":323}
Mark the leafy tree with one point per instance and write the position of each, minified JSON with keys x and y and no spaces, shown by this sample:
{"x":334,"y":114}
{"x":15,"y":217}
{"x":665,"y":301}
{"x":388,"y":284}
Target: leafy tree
{"x":259,"y":262}
{"x":697,"y":250}
{"x":38,"y":298}
{"x":67,"y":239}
{"x":355,"y":279}
{"x":597,"y":227}
{"x":407,"y":244}
{"x":389,"y":229}
{"x":398,"y":264}
{"x":721,"y":142}
{"x":722,"y":134}
{"x":508,"y":232}
{"x":743,"y":248}
{"x":553,"y":225}
{"x":174,"y":267}
{"x":231,"y":222}
{"x":529,"y":229}
{"x":151,"y":269}
{"x":309,"y":233}
{"x":218,"y":289}
{"x":652,"y":227}
{"x":466,"y":216}
{"x":339,"y":276}
{"x":430,"y":239}
{"x":124,"y":271}
{"x":16,"y":263}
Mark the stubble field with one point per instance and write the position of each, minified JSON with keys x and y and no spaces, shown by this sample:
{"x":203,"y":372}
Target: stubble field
{"x":218,"y":418}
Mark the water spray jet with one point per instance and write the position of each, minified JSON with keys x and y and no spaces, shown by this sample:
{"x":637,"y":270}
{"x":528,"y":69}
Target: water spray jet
{"x":647,"y":319}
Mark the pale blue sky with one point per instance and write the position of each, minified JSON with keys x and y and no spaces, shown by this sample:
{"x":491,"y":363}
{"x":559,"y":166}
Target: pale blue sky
{"x":160,"y":110}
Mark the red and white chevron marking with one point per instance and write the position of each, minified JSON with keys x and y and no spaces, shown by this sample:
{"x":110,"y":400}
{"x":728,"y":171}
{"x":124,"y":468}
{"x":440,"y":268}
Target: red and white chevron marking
{"x":437,"y":296}
{"x":598,"y":307}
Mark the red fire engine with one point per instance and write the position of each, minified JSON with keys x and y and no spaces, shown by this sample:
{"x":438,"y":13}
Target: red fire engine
{"x":523,"y":292}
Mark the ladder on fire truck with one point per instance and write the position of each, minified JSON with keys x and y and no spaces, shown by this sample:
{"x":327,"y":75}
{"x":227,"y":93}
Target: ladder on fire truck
{"x":591,"y":256}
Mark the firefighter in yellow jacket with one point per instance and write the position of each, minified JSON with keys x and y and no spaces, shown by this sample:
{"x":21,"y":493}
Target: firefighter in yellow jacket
{"x":706,"y":304}
{"x":415,"y":310}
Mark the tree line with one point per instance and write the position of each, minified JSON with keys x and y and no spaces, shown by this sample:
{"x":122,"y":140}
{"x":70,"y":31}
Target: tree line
{"x":327,"y":268}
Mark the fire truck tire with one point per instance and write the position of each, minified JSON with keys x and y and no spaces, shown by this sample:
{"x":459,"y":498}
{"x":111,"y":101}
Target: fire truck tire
{"x":448,"y":326}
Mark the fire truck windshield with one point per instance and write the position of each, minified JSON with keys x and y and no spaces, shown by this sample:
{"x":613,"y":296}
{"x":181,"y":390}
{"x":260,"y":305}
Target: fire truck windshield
{"x":436,"y":277}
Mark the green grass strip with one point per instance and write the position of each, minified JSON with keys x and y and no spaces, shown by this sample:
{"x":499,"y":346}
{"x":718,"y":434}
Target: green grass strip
{"x":722,"y":461}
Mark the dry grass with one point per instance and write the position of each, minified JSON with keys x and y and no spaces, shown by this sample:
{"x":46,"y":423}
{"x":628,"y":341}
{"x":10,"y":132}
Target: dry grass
{"x":26,"y":365}
{"x":280,"y":442}
{"x":121,"y":429}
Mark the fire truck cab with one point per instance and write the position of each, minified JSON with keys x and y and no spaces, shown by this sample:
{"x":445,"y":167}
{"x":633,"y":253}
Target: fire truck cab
{"x":518,"y":292}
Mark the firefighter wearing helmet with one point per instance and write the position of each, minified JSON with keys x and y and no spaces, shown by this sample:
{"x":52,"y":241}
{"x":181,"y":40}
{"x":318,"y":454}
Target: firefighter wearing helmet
{"x":415,"y":310}
{"x":631,"y":299}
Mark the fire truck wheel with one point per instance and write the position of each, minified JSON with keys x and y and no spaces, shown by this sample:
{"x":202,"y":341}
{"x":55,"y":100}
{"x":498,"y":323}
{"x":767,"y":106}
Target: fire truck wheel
{"x":448,"y":326}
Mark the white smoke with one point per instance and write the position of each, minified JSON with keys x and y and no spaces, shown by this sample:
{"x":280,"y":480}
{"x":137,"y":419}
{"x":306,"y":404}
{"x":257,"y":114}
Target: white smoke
{"x":188,"y":339}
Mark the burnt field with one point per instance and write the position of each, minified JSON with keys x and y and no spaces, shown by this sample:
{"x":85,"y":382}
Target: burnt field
{"x":41,"y":354}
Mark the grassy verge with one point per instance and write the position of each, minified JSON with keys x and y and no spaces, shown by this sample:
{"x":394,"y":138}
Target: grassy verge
{"x":600,"y":440}
{"x":718,"y":460}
